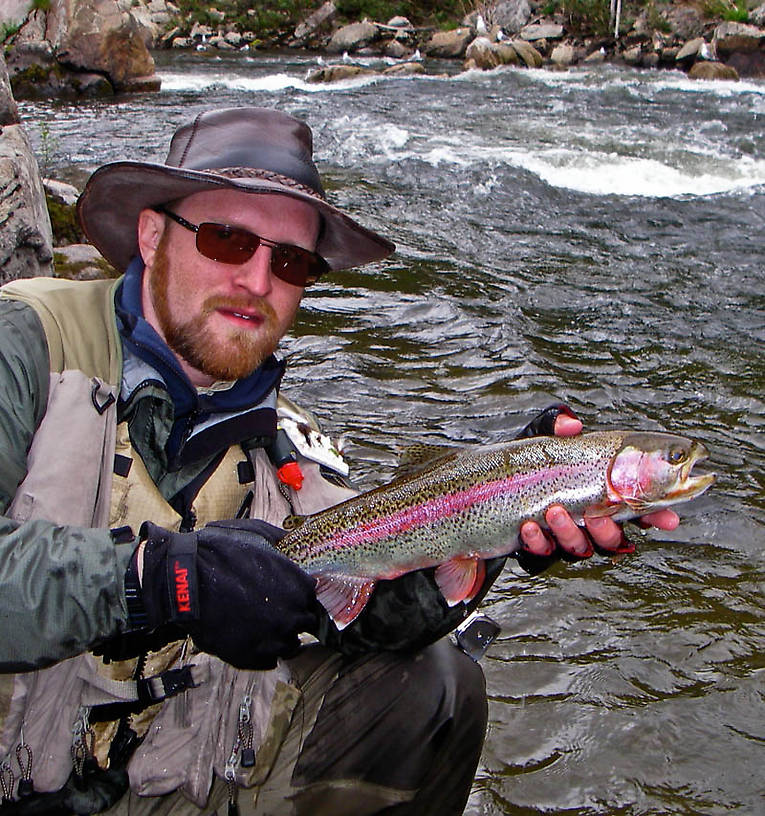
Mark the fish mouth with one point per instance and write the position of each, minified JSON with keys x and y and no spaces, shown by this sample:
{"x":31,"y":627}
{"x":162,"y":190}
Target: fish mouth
{"x":687,"y":486}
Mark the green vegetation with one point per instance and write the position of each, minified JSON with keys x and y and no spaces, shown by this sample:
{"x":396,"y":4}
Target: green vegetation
{"x":63,"y":220}
{"x":588,"y":17}
{"x":733,"y":12}
{"x":276,"y":18}
{"x":7,"y":30}
{"x":41,"y":5}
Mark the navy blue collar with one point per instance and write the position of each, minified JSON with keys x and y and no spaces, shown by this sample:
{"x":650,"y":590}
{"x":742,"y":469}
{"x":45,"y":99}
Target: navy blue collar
{"x":191,"y":407}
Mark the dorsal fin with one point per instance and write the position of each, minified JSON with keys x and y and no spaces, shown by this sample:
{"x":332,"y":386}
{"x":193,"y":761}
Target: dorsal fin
{"x":418,"y":457}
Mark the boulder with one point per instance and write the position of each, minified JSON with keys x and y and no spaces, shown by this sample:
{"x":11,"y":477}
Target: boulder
{"x":9,"y":112}
{"x":748,"y":63}
{"x":742,"y":47}
{"x":405,"y":69}
{"x":712,"y":70}
{"x":449,"y":44}
{"x":395,"y":49}
{"x":757,"y":16}
{"x":26,"y":238}
{"x":732,"y":38}
{"x":61,"y":192}
{"x":98,"y":37}
{"x":511,"y":15}
{"x":321,"y":17}
{"x":484,"y":54}
{"x":528,"y":54}
{"x":690,"y":50}
{"x":333,"y":73}
{"x":685,"y":22}
{"x":633,"y":56}
{"x":352,"y":37}
{"x":107,"y":37}
{"x":596,"y":57}
{"x":542,"y":31}
{"x":563,"y":55}
{"x":81,"y":262}
{"x":14,"y":12}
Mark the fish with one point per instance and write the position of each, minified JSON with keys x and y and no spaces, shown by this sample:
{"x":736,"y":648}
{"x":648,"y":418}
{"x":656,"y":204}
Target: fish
{"x":467,"y":505}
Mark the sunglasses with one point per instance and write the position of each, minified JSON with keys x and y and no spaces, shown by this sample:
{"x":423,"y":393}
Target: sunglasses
{"x":234,"y":245}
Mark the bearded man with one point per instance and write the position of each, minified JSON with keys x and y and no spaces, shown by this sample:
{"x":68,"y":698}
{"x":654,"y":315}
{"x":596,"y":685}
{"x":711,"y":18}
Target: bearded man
{"x":151,"y":644}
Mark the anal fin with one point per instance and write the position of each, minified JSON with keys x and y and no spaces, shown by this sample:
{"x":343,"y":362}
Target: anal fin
{"x":460,"y":579}
{"x":344,"y":597}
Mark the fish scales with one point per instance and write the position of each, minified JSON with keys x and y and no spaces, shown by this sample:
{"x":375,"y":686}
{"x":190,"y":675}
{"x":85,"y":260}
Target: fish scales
{"x":469,"y":505}
{"x":465,"y":493}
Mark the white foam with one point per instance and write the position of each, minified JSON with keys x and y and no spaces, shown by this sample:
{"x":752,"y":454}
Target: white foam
{"x":611,"y":174}
{"x":180,"y":83}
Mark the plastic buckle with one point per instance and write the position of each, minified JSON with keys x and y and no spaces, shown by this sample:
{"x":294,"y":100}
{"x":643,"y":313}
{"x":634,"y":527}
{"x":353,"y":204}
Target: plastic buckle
{"x":475,"y":634}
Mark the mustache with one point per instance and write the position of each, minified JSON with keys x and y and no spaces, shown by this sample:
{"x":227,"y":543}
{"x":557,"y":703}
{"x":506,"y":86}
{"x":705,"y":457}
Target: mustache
{"x":258,"y":304}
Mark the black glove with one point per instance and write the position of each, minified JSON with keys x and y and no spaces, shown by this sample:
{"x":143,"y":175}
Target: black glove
{"x":406,"y":613}
{"x":227,"y":587}
{"x":543,"y":424}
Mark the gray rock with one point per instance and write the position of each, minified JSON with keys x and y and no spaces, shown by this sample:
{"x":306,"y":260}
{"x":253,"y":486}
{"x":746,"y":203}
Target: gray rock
{"x":511,"y":15}
{"x":712,"y":70}
{"x":690,"y":50}
{"x":449,"y":44}
{"x":399,"y":22}
{"x":563,"y":55}
{"x":395,"y":49}
{"x":484,"y":54}
{"x":757,"y":16}
{"x":9,"y":112}
{"x":542,"y":31}
{"x":404,"y":69}
{"x":352,"y":37}
{"x":334,"y":73}
{"x":61,"y":191}
{"x":596,"y":57}
{"x":732,"y":38}
{"x":528,"y":54}
{"x":26,"y":238}
{"x":686,"y":22}
{"x":323,"y":15}
{"x":651,"y":60}
{"x":14,"y":11}
{"x":633,"y":56}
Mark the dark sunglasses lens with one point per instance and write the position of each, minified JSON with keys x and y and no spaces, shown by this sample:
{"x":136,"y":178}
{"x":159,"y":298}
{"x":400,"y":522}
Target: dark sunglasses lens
{"x":296,"y":265}
{"x":226,"y":244}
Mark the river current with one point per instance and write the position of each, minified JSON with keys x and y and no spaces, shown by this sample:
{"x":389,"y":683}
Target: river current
{"x":593,"y":236}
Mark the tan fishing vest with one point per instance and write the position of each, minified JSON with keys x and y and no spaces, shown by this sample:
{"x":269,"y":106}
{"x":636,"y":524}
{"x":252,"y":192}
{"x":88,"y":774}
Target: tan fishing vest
{"x":197,"y":733}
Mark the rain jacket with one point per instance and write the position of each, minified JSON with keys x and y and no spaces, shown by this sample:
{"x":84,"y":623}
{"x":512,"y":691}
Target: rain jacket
{"x":87,"y":446}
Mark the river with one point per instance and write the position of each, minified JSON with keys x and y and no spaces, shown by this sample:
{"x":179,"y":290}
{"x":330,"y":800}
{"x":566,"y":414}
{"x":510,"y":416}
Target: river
{"x":593,"y":236}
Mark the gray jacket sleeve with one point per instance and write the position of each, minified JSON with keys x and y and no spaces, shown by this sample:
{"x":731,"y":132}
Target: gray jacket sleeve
{"x":61,"y":588}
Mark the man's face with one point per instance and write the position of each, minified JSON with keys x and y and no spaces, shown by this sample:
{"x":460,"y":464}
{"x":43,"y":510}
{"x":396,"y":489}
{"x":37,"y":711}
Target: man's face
{"x":222,"y":320}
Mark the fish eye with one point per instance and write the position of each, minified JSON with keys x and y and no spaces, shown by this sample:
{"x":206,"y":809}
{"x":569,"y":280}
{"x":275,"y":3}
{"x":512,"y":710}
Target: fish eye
{"x":676,"y":455}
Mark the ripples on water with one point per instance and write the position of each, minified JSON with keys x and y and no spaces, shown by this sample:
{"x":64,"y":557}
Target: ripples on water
{"x":592,"y":236}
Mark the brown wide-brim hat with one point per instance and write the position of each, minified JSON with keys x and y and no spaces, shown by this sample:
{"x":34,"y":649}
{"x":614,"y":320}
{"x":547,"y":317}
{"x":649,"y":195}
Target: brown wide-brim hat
{"x":252,"y":150}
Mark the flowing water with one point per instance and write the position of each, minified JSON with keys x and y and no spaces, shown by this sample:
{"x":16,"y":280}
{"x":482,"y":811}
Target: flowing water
{"x":593,"y":236}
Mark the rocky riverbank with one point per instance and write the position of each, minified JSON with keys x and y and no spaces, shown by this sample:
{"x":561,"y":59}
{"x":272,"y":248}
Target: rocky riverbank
{"x":76,"y":48}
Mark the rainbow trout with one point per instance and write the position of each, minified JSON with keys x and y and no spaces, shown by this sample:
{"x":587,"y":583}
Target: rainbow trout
{"x":468,"y":506}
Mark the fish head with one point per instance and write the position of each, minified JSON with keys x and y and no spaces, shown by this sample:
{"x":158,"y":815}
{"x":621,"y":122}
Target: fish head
{"x":653,"y":470}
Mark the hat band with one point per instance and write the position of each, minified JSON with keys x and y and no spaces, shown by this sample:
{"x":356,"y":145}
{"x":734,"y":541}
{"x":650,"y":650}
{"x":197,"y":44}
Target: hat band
{"x":265,"y":175}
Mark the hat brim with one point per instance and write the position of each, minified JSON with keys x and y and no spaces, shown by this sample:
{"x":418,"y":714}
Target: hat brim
{"x":116,"y":193}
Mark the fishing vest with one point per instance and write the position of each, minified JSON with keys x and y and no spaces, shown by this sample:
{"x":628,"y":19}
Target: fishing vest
{"x":82,"y":470}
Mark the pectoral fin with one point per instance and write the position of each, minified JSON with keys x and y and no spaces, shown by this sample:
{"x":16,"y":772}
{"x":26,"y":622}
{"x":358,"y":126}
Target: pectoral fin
{"x":460,"y":579}
{"x":603,"y":510}
{"x":343,"y":597}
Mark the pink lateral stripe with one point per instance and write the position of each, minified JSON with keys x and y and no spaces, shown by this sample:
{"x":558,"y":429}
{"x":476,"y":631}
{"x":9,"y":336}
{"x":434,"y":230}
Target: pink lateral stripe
{"x":436,"y":509}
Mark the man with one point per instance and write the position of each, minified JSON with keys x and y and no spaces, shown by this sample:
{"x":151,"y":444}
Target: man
{"x":153,"y":628}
